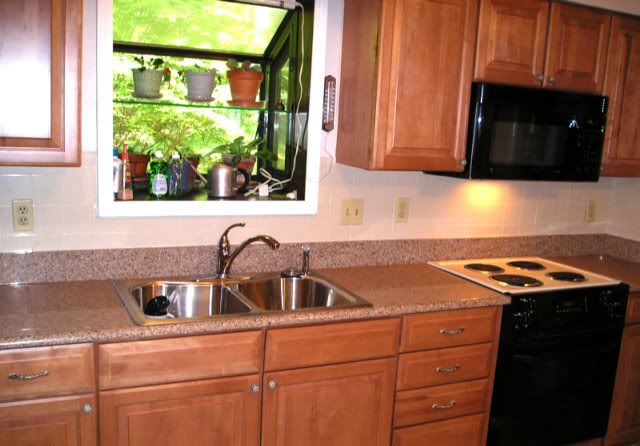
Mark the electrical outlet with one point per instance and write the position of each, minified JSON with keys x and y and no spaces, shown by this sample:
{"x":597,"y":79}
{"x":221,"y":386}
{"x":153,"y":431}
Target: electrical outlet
{"x":590,"y":212}
{"x":352,"y":211}
{"x":402,"y":209}
{"x":22,"y":215}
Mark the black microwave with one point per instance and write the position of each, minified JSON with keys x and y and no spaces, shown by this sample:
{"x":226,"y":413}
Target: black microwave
{"x":530,"y":134}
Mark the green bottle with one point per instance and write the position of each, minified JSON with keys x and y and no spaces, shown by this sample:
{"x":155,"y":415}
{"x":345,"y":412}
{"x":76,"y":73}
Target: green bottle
{"x":158,"y":183}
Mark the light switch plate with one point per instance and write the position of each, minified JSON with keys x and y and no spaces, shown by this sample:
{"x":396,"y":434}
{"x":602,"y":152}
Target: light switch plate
{"x":352,"y":211}
{"x":22,"y":211}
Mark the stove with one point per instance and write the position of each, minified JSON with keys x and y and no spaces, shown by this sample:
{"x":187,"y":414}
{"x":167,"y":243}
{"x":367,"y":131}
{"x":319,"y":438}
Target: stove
{"x":520,"y":275}
{"x":559,"y":344}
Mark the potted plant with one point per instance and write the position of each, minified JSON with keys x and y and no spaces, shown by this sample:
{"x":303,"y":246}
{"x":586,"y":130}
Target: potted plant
{"x":148,"y":77}
{"x":239,"y":153}
{"x":200,"y":83}
{"x":244,"y":82}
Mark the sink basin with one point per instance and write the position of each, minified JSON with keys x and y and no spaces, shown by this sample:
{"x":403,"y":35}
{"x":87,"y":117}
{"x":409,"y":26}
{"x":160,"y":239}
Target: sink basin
{"x":295,"y":293}
{"x":190,"y":300}
{"x":193,"y":300}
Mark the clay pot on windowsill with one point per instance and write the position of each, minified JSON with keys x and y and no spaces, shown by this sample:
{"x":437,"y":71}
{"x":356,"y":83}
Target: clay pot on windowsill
{"x":244,"y":85}
{"x":138,"y":164}
{"x":245,"y":163}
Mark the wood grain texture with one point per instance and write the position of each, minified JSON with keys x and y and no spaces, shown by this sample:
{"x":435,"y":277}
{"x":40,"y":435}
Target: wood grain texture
{"x":358,"y":82}
{"x":624,"y":419}
{"x":511,"y":41}
{"x":46,"y":36}
{"x":463,"y":431}
{"x":451,"y":400}
{"x":332,"y":343}
{"x":212,"y":412}
{"x":421,"y":107}
{"x":633,"y":309}
{"x":50,"y":422}
{"x":159,"y":361}
{"x":437,"y":367}
{"x":70,"y":368}
{"x":424,"y":331}
{"x":577,"y":48}
{"x":338,"y":405}
{"x":622,"y":84}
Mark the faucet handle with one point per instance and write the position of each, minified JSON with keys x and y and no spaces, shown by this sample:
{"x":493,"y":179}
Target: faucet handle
{"x":235,"y":225}
{"x":224,"y":244}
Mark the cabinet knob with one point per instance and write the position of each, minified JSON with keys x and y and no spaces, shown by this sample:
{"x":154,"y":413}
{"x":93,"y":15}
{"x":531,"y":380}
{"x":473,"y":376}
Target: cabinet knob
{"x":463,"y":162}
{"x":540,"y":78}
{"x":87,"y":408}
{"x":552,"y":80}
{"x":255,"y":388}
{"x":272,"y":385}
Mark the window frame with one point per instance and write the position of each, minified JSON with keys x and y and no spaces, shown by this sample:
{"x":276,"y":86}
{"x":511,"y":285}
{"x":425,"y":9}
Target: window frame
{"x":108,"y":207}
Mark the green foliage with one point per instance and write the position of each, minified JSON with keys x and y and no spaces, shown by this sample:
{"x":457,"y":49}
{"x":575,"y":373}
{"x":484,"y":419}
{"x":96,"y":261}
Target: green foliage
{"x":233,"y":64}
{"x":152,"y":63}
{"x":241,"y":149}
{"x":205,"y":24}
{"x":194,"y":132}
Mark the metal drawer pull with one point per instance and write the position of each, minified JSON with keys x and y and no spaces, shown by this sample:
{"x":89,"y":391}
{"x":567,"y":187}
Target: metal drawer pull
{"x":437,"y":406}
{"x":31,"y":377}
{"x":453,"y":369}
{"x":455,"y":331}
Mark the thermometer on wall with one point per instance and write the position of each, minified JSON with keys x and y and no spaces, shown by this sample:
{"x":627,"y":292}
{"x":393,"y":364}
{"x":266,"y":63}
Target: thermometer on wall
{"x":329,"y":103}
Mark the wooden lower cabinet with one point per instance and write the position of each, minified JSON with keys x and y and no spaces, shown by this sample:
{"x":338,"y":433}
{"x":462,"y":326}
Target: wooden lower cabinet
{"x":223,"y":411}
{"x":339,"y":405}
{"x":464,"y":431}
{"x":65,"y":421}
{"x":624,"y":420}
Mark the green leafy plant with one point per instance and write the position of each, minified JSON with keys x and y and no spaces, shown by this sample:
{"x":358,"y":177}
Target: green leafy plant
{"x":153,"y":63}
{"x":241,"y":149}
{"x":233,"y":64}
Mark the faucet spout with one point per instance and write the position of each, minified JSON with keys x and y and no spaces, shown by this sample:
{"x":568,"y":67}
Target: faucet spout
{"x":226,"y":256}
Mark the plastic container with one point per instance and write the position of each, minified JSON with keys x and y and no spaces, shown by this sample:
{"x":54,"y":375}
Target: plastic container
{"x":158,"y":184}
{"x":125,"y":185}
{"x":174,"y":172}
{"x":117,"y":171}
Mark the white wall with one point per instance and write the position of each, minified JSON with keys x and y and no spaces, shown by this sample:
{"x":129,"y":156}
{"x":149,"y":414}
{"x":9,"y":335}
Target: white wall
{"x":65,"y":203}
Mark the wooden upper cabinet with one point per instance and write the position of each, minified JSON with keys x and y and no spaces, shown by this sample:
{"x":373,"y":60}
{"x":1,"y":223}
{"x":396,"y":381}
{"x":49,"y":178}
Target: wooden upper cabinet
{"x":406,"y":80}
{"x":511,"y":41}
{"x":577,"y":48}
{"x":622,"y":85}
{"x":40,"y":61}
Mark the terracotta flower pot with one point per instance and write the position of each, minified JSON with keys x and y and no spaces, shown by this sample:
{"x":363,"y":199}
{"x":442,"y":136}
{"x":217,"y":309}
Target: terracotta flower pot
{"x":245,"y":163}
{"x":138,"y":165}
{"x":244,"y":84}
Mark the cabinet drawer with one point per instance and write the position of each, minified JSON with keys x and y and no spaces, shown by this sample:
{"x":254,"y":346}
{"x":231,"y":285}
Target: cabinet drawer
{"x":436,"y":367}
{"x":448,"y":329}
{"x":46,"y":371}
{"x":440,"y":402}
{"x":290,"y":348}
{"x":633,"y":309}
{"x":463,"y":431}
{"x":160,"y":361}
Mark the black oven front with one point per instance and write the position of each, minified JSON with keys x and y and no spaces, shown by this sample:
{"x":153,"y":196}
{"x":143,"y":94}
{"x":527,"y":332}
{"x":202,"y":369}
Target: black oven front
{"x":556,"y":366}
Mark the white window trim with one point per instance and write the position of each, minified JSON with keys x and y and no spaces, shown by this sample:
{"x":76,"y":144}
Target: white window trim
{"x":107,"y":207}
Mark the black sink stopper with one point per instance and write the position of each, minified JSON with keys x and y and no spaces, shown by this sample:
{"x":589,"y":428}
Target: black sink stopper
{"x":157,"y":306}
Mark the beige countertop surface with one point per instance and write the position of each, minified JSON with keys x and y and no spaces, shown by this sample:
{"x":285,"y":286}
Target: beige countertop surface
{"x":74,"y":312}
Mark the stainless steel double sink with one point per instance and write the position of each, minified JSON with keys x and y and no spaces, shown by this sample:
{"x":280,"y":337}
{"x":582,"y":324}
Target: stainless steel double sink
{"x":201,"y":299}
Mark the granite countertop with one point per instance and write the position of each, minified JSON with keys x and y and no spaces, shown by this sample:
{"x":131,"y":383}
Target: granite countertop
{"x":91,"y":311}
{"x":623,"y":270}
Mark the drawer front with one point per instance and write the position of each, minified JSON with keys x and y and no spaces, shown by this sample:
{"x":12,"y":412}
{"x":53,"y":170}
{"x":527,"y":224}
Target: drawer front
{"x":439,"y":403}
{"x":448,"y":329}
{"x":290,"y":348}
{"x":463,"y":431}
{"x":161,"y":361}
{"x":633,"y":309}
{"x":46,"y":371}
{"x":437,"y":367}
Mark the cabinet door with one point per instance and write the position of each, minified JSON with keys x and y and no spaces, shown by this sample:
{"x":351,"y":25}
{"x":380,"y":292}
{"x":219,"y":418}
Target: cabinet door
{"x":67,"y":421}
{"x":577,"y":48}
{"x":201,"y":413}
{"x":511,"y":41}
{"x":425,"y":72}
{"x":624,"y":420}
{"x":622,"y":85}
{"x":339,"y":405}
{"x":40,"y":53}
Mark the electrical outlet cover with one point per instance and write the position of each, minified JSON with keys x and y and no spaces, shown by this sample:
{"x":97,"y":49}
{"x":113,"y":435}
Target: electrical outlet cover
{"x":22,"y":215}
{"x":402,"y":209}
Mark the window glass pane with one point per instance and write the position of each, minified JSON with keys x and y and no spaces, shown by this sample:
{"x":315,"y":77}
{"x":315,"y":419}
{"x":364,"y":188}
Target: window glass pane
{"x":203,"y":24}
{"x":281,"y":129}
